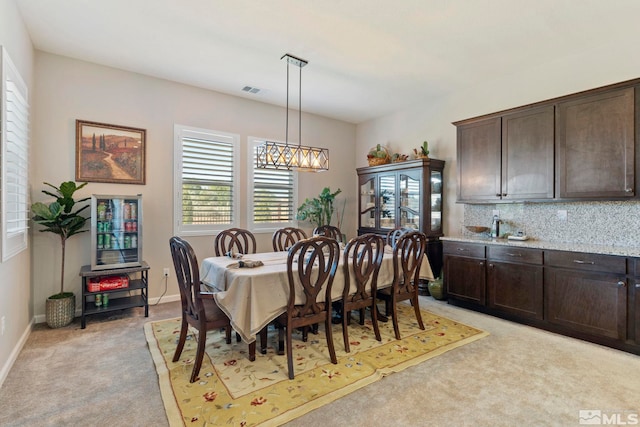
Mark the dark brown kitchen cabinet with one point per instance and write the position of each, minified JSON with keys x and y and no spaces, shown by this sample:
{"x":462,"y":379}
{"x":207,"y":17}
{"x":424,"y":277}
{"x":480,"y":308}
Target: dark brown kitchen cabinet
{"x":464,"y":272}
{"x":527,"y":154}
{"x":479,"y":159}
{"x":508,"y":157}
{"x":586,"y":293}
{"x":515,"y":281}
{"x":596,"y":145}
{"x":580,"y":146}
{"x":634,"y":295}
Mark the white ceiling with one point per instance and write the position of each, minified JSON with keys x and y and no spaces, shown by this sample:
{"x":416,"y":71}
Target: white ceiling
{"x":367,"y":58}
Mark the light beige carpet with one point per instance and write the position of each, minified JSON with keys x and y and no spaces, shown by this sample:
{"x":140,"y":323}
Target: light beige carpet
{"x":233,"y":391}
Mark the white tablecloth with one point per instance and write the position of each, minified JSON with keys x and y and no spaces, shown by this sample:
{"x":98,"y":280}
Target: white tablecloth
{"x":253,"y":297}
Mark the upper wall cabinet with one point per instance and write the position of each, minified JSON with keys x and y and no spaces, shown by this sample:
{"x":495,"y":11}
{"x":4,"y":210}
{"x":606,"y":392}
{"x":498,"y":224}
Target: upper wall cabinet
{"x":507,"y":158}
{"x":577,"y":147}
{"x":596,"y":146}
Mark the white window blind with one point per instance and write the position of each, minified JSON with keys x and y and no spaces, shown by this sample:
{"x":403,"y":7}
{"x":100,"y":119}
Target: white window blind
{"x":14,"y":126}
{"x":273,"y":196}
{"x":206,"y":184}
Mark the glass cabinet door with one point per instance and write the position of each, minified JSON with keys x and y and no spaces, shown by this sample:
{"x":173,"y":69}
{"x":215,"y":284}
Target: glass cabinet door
{"x":387,"y":201}
{"x":436,"y":201}
{"x":368,"y":203}
{"x":409,"y":202}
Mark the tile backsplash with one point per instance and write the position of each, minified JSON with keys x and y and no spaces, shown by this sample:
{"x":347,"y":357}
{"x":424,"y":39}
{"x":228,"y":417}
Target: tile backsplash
{"x":600,"y":223}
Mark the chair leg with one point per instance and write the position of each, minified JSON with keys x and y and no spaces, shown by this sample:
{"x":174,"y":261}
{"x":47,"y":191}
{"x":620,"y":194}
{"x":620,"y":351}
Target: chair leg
{"x":416,"y":307}
{"x":374,"y":321}
{"x":362,"y":311}
{"x":329,"y":332}
{"x":345,"y":333}
{"x":394,"y":314}
{"x":290,"y":353}
{"x":202,"y":341}
{"x":181,"y":340}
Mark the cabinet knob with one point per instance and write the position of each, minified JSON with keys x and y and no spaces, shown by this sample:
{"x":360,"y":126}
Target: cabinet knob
{"x":481,"y":263}
{"x":512,"y":254}
{"x":498,"y":194}
{"x":637,"y":285}
{"x":490,"y":265}
{"x":622,"y":284}
{"x":578,"y":261}
{"x":628,"y":190}
{"x":504,"y":194}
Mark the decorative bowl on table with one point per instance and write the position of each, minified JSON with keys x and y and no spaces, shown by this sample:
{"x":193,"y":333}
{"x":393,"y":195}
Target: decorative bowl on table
{"x":476,"y":229}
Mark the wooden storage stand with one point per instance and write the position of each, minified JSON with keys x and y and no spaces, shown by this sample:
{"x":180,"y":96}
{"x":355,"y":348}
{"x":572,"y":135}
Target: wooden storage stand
{"x":137,"y":290}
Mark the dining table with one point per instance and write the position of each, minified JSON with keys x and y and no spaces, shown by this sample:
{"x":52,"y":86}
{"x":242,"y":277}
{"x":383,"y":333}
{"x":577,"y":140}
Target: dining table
{"x":252,"y":297}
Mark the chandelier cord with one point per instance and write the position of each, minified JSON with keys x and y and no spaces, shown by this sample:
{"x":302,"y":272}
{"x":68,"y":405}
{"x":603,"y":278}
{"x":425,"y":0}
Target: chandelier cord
{"x":300,"y":110}
{"x":286,"y":132}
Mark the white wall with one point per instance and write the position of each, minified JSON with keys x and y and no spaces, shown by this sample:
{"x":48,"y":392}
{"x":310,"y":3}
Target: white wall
{"x":609,"y":62}
{"x":68,"y":89}
{"x":15,"y":286}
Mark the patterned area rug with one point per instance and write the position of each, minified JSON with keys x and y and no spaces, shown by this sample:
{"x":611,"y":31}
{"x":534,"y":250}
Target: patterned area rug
{"x":233,"y":391}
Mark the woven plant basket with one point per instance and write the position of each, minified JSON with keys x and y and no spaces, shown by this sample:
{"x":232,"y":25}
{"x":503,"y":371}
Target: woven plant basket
{"x":376,"y":161}
{"x":60,"y":312}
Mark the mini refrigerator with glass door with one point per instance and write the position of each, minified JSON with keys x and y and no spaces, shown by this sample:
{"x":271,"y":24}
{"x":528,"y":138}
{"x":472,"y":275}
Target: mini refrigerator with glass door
{"x":116,"y":231}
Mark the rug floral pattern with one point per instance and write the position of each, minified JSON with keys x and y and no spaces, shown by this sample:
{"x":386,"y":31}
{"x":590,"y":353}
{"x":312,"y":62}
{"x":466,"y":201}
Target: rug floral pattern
{"x":233,"y":391}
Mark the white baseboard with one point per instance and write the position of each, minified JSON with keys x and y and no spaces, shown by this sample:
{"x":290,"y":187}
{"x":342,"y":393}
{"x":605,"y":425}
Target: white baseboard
{"x":14,"y":354}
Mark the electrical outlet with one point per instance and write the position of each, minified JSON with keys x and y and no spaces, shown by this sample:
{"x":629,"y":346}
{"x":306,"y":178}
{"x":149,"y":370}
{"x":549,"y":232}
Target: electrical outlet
{"x":165,"y":271}
{"x":2,"y":325}
{"x":562,"y":215}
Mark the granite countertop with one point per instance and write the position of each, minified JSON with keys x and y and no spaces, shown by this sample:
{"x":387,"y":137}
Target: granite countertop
{"x":628,"y":251}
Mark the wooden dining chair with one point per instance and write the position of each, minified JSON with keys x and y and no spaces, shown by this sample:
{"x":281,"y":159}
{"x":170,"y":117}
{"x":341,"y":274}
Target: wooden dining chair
{"x":284,"y":238}
{"x":235,"y":240}
{"x":394,"y":235}
{"x":199,"y":309}
{"x":312,"y":264}
{"x":329,"y":231}
{"x":407,"y":257}
{"x":362,"y":257}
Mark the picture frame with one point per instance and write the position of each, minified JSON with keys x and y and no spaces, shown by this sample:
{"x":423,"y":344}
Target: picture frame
{"x":110,"y":153}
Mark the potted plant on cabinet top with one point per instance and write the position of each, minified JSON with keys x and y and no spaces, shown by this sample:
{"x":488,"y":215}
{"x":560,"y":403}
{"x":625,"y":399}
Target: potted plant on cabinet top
{"x":59,"y":218}
{"x":318,"y":210}
{"x":422,"y":152}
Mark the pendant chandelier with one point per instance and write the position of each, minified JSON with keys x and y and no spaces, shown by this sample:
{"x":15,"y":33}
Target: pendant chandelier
{"x":278,"y":155}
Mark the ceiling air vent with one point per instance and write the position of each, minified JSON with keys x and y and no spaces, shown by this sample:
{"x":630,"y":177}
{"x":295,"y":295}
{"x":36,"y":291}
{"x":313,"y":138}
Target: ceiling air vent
{"x":250,"y":89}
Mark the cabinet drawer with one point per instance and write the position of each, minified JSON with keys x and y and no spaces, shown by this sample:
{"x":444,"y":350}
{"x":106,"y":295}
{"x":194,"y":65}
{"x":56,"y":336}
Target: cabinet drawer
{"x":508,"y":253}
{"x":464,"y":249}
{"x":587,"y":262}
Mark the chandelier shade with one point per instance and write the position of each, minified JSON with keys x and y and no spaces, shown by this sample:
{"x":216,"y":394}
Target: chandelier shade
{"x":282,"y":155}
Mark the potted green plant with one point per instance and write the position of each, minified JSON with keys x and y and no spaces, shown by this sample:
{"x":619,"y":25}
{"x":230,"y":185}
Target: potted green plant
{"x":58,"y":217}
{"x":422,"y":152}
{"x":318,"y":210}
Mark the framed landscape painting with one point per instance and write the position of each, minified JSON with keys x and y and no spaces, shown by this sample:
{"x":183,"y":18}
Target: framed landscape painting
{"x":110,"y":153}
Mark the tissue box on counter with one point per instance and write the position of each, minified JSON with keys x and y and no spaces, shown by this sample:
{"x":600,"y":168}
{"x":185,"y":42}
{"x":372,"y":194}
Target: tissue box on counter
{"x":107,"y":283}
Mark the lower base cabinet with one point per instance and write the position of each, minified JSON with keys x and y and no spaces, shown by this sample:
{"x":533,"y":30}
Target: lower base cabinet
{"x":588,"y":296}
{"x":464,"y":272}
{"x":515,"y":281}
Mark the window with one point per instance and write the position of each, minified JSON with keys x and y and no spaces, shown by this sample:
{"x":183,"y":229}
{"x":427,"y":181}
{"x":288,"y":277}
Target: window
{"x":14,"y":127}
{"x":272,"y":195}
{"x":205,"y":181}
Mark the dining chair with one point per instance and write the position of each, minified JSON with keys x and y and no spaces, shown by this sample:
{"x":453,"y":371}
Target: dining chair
{"x":407,"y":257}
{"x":312,"y":264}
{"x":199,"y":309}
{"x":329,"y":231}
{"x":284,"y":238}
{"x":361,"y":264}
{"x":394,"y":235}
{"x":236,"y":240}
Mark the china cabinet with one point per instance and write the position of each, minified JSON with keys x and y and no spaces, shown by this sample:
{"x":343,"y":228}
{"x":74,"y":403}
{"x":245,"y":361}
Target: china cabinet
{"x":404,"y":195}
